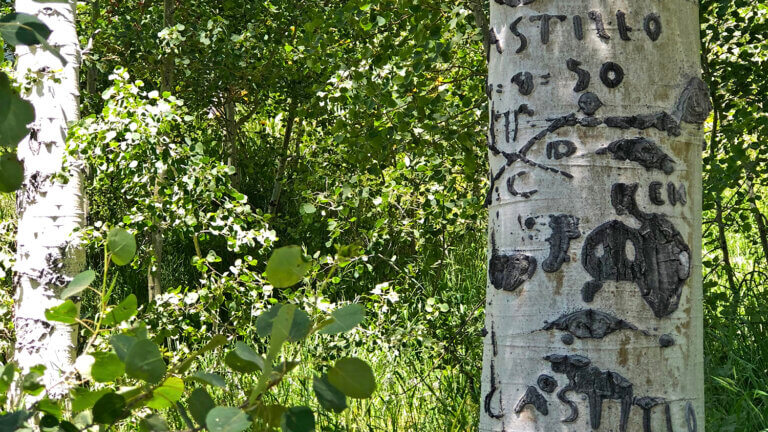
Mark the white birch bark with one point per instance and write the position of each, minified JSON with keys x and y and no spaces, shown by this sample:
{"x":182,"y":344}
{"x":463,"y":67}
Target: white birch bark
{"x":48,"y":255}
{"x":594,"y":300}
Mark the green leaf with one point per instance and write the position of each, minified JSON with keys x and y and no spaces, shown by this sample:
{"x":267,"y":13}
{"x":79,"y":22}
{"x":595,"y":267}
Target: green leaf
{"x":78,"y":284}
{"x":330,"y":397}
{"x":6,"y":377}
{"x":83,"y":399}
{"x":48,"y":423}
{"x":153,"y":423}
{"x":121,"y":245}
{"x":200,"y":404}
{"x":145,"y":362}
{"x":11,"y":172}
{"x":244,"y":359}
{"x":108,"y":408}
{"x":299,"y":327}
{"x":31,"y":382}
{"x":65,"y":313}
{"x":344,"y":319}
{"x":287,"y":266}
{"x":123,"y":311}
{"x":107,"y":367}
{"x":49,"y":406}
{"x":281,"y":328}
{"x":23,"y":29}
{"x":213,"y":379}
{"x":167,"y":394}
{"x":353,"y":377}
{"x":298,"y":419}
{"x":227,"y":419}
{"x":15,"y":114}
{"x":308,"y":208}
{"x":122,"y":344}
{"x":14,"y":420}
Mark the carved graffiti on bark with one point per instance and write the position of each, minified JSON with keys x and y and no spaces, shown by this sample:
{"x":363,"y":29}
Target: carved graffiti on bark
{"x":564,"y":229}
{"x":659,"y":261}
{"x":641,"y":150}
{"x":597,"y":385}
{"x":589,"y":324}
{"x":532,"y":397}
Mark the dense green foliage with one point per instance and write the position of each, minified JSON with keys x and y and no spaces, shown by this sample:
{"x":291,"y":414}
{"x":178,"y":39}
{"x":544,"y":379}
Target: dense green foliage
{"x":353,"y":129}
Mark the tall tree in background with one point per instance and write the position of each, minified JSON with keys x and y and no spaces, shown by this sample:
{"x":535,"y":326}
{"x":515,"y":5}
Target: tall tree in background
{"x":49,"y":209}
{"x":594,"y":303}
{"x":154,"y":283}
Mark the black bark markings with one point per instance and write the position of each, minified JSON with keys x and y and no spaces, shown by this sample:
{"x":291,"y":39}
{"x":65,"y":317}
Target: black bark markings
{"x":693,"y":105}
{"x":493,"y":39}
{"x":560,"y":149}
{"x":662,"y":121}
{"x":567,"y":339}
{"x":578,"y":27}
{"x":515,"y":192}
{"x":690,"y":101}
{"x":508,"y":271}
{"x":494,"y":342}
{"x":654,"y":193}
{"x":611,"y":74}
{"x":583,"y":76}
{"x":597,"y":385}
{"x":597,"y":17}
{"x":546,"y":383}
{"x":544,"y":26}
{"x":652,"y":26}
{"x":589,"y":324}
{"x":589,"y":103}
{"x":624,"y":29}
{"x":647,"y":403}
{"x":516,"y":32}
{"x":524,"y":82}
{"x":489,"y":396}
{"x":666,"y":341}
{"x":641,"y":150}
{"x":522,"y":109}
{"x":676,"y":194}
{"x":659,"y":264}
{"x":564,"y":229}
{"x":690,"y":417}
{"x":532,"y":397}
{"x":514,"y":3}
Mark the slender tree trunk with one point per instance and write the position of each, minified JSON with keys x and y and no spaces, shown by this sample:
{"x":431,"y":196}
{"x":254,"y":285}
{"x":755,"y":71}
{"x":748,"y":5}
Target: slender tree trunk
{"x":232,"y":126}
{"x":729,"y":273}
{"x":48,"y":255}
{"x":278,"y":186}
{"x":154,"y":282}
{"x":594,"y":298}
{"x":760,"y":221}
{"x":90,"y":81}
{"x":169,"y":61}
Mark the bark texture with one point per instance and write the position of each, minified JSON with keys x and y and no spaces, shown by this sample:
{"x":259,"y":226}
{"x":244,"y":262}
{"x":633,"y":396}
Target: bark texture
{"x":48,"y":255}
{"x":594,"y":300}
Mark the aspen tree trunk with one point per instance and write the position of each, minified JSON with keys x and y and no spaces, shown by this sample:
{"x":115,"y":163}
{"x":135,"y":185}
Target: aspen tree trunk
{"x":48,"y":255}
{"x":92,"y":75}
{"x":167,"y":82}
{"x":594,"y":300}
{"x":277,"y":188}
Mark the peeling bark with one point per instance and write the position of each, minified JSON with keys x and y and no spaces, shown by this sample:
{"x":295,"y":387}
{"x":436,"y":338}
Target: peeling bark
{"x":48,"y":254}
